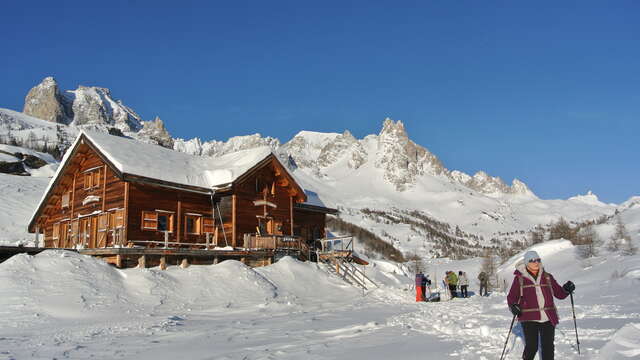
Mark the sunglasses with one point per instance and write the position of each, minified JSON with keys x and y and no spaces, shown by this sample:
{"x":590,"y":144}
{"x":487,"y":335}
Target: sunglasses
{"x":535,"y":260}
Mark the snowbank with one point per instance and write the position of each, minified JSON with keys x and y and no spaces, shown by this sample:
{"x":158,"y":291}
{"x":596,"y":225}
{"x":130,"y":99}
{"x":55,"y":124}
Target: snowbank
{"x":624,"y":345}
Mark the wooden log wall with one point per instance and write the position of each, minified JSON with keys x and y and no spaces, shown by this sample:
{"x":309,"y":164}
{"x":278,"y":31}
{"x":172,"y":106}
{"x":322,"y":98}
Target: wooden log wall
{"x":180,"y":205}
{"x":309,"y":225}
{"x":106,"y":196}
{"x":263,"y":185}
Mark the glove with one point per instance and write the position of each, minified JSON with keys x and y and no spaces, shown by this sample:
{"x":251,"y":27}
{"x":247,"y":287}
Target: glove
{"x":516,"y":310}
{"x":569,"y":287}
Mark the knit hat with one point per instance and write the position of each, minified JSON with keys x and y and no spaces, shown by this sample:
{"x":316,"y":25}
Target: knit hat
{"x":530,"y":255}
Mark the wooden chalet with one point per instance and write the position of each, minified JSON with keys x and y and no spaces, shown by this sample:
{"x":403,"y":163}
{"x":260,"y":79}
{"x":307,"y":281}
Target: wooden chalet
{"x":140,"y":204}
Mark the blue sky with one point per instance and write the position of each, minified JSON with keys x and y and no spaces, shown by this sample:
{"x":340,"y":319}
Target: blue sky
{"x":547,"y":92}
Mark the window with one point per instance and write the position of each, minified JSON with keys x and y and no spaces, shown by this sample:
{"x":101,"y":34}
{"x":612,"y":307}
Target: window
{"x":66,"y":198}
{"x":56,"y":231}
{"x":163,"y":223}
{"x":158,"y":221}
{"x":208,"y":225}
{"x":92,"y":179}
{"x":192,"y":224}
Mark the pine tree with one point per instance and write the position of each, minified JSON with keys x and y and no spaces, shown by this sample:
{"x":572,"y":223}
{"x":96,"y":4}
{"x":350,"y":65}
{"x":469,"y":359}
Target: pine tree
{"x":489,"y":265}
{"x":619,"y":236}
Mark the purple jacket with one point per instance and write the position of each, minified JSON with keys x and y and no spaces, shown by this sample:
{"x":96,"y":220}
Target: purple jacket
{"x":529,"y":301}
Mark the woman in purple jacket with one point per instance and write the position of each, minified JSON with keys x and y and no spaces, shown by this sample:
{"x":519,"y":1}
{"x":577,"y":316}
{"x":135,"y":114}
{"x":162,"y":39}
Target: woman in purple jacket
{"x":531,"y":299}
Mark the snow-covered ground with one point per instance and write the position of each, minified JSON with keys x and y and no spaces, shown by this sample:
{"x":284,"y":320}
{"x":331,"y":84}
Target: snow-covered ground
{"x":63,"y":305}
{"x":20,"y":195}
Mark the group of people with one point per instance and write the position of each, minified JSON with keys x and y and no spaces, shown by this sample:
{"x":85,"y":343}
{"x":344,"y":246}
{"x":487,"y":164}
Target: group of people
{"x":461,"y":281}
{"x":453,"y":281}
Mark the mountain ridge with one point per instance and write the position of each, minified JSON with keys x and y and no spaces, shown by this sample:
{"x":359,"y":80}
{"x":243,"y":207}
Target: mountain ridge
{"x":383,"y":182}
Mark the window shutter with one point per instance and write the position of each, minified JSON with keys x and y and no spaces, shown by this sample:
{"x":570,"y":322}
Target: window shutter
{"x":87,"y":180}
{"x":149,"y":220}
{"x":96,"y":178}
{"x":56,"y":231}
{"x":65,"y":200}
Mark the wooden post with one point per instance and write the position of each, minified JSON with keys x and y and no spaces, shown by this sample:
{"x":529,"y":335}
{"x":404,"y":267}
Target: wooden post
{"x":185,"y":263}
{"x":119,"y":261}
{"x":291,"y":212}
{"x":104,"y":188}
{"x":126,"y":214}
{"x":207,"y":243}
{"x":142,"y":262}
{"x":166,"y":239}
{"x":163,"y":263}
{"x":179,"y":222}
{"x":233,"y":220}
{"x":73,"y":195}
{"x":215,"y":260}
{"x":337,"y":268}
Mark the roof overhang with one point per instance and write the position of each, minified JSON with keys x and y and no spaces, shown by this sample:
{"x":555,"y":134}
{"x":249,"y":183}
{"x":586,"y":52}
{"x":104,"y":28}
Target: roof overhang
{"x":315,"y":208}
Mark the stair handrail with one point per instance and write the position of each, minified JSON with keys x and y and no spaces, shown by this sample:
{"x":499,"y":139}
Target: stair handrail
{"x":355,"y":269}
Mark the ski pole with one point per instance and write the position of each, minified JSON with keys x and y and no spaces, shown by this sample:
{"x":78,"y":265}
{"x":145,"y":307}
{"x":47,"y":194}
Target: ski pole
{"x":575,"y":324}
{"x":506,"y":341}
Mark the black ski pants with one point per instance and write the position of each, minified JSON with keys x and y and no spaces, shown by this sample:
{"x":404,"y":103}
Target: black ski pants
{"x":532,"y":330}
{"x":483,"y":286}
{"x":452,"y":290}
{"x":463,"y":291}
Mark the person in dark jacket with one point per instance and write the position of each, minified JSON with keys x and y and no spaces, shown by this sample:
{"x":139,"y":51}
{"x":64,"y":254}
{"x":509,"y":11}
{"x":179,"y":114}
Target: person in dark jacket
{"x":484,"y":283}
{"x":531,"y":300}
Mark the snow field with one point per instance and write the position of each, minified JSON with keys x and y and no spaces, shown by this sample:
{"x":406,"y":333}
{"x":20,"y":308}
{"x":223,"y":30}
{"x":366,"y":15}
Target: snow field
{"x":64,"y":305}
{"x":18,"y":197}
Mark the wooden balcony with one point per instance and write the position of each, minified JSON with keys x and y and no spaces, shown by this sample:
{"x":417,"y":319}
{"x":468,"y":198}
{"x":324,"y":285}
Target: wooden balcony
{"x":273,"y":242}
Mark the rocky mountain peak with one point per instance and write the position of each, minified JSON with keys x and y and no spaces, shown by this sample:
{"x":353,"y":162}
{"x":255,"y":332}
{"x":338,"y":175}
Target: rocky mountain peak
{"x":401,"y":159}
{"x":519,"y":187}
{"x":155,"y":131}
{"x":343,"y":145}
{"x":44,"y":101}
{"x":393,"y":129}
{"x":94,"y":105}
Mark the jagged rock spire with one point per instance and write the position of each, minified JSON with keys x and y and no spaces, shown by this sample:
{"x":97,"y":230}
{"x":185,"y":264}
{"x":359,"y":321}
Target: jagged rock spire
{"x":44,"y":101}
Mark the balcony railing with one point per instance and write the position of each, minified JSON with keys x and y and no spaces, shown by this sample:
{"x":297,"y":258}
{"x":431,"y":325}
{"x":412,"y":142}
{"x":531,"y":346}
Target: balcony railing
{"x":272,"y":242}
{"x":343,"y":244}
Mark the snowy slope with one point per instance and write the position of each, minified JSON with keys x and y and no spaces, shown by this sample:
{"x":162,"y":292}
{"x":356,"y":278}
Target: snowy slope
{"x":294,"y":310}
{"x":20,"y":195}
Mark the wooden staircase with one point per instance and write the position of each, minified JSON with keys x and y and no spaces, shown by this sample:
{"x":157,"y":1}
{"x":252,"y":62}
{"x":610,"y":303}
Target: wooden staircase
{"x":343,"y":267}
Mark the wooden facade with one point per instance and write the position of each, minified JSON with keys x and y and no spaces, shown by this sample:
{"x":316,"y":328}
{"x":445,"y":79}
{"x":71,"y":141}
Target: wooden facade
{"x":90,"y":204}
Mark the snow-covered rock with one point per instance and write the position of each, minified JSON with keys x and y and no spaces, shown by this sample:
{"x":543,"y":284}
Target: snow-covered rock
{"x":44,"y":101}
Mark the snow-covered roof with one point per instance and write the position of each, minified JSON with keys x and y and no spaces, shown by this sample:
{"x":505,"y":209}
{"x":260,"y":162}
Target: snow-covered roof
{"x":153,"y":161}
{"x":132,"y":157}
